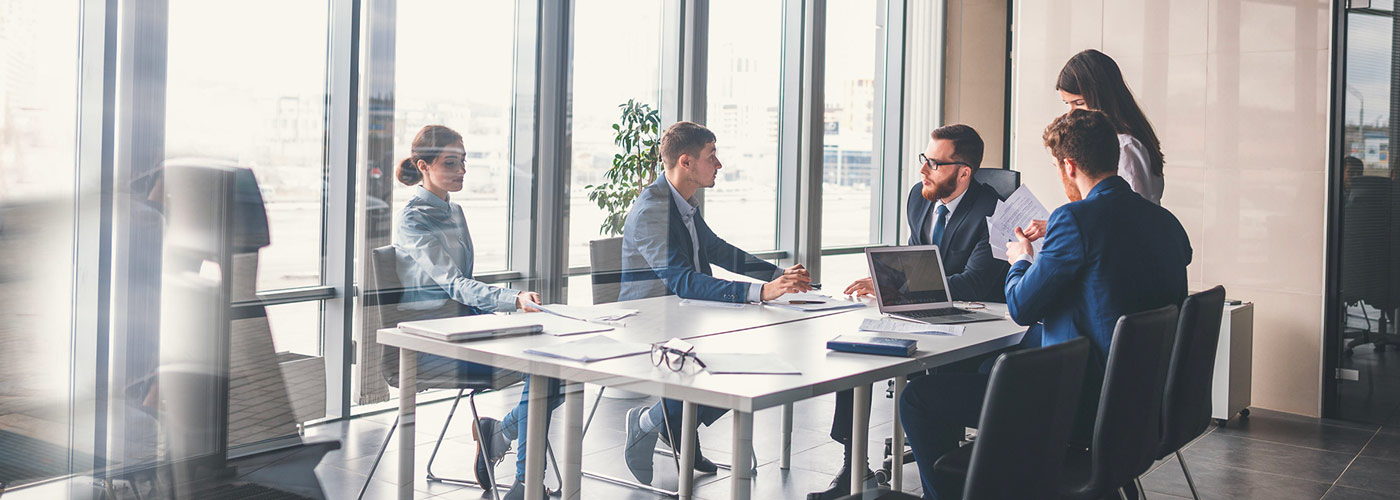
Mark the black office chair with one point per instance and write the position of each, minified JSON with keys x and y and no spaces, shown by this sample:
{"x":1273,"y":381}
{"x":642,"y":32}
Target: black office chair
{"x":1001,"y":180}
{"x":385,"y":293}
{"x":1367,"y":267}
{"x":1186,"y":407}
{"x":1026,"y":421}
{"x":1127,"y":428}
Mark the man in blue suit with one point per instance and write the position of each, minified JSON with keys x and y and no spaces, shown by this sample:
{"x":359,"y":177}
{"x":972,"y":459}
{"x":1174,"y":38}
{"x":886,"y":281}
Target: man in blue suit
{"x":1107,"y":253}
{"x":668,"y":249}
{"x":948,"y":208}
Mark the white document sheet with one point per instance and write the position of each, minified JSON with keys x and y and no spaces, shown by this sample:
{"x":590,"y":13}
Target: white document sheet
{"x":560,"y":326}
{"x":813,"y":302}
{"x":745,"y":363}
{"x":711,"y":303}
{"x":596,"y":348}
{"x":593,"y":314}
{"x":891,"y":325}
{"x":1018,"y":210}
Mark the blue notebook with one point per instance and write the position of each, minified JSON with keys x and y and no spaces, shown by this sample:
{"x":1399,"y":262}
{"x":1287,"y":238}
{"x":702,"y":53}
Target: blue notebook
{"x":865,"y":344}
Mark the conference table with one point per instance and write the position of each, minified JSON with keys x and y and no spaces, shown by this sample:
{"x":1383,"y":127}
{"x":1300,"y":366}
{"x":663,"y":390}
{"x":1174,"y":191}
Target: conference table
{"x":795,"y":337}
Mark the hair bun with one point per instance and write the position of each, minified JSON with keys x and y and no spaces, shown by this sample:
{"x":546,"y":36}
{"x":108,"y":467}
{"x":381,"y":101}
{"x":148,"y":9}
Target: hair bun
{"x":408,"y":173}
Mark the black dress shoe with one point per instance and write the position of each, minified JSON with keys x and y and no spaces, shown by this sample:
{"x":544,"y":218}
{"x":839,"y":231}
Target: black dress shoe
{"x":702,"y":464}
{"x":841,"y":485}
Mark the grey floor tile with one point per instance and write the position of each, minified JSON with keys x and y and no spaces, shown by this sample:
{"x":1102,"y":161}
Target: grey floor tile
{"x":1266,"y":456}
{"x":1220,"y":481}
{"x":1372,"y":474}
{"x":1345,"y":493}
{"x":1264,"y":425}
{"x":771,"y":482}
{"x":1386,"y":445}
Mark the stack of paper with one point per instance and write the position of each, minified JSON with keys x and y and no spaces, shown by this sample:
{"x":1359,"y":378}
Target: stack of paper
{"x":1018,"y":210}
{"x":593,"y":314}
{"x":596,"y":348}
{"x":891,"y":325}
{"x":813,"y":302}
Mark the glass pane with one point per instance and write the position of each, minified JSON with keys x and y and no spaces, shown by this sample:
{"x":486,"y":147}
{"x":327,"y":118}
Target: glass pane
{"x":1370,"y":225}
{"x":745,"y":66}
{"x":431,"y":62}
{"x":38,"y":111}
{"x":256,"y":102}
{"x":452,"y":66}
{"x":617,"y":58}
{"x":848,"y":169}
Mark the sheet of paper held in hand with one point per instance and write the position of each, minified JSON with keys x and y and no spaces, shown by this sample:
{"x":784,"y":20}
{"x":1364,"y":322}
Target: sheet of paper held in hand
{"x":745,"y":363}
{"x":1018,"y":210}
{"x":807,"y":301}
{"x":891,"y":325}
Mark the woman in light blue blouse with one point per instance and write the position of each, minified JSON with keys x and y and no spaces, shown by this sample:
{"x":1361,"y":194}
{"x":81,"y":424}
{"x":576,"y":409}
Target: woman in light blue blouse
{"x":435,"y":265}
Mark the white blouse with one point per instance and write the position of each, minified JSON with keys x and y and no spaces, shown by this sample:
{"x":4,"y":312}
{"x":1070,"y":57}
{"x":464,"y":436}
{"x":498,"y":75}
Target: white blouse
{"x":1135,"y":166}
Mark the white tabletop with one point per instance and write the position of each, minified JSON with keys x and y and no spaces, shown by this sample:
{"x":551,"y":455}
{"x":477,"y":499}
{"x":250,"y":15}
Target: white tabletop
{"x":796,"y":337}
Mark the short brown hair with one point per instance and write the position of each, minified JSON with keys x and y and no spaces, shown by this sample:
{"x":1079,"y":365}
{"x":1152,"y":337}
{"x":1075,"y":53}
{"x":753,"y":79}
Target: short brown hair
{"x":1086,"y":136}
{"x":427,"y":146}
{"x":967,"y":145}
{"x":684,"y":138}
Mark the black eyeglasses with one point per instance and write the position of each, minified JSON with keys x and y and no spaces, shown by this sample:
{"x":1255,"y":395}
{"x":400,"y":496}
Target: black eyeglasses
{"x":673,"y":358}
{"x":924,"y":161}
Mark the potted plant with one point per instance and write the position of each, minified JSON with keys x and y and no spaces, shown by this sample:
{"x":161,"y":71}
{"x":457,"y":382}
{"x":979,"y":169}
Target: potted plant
{"x":636,"y":167}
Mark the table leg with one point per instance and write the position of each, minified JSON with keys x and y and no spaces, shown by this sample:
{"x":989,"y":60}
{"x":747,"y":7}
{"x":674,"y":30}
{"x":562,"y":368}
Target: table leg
{"x":897,"y":444}
{"x":408,"y":390}
{"x":686,"y":471}
{"x":573,"y":442}
{"x":535,"y":437}
{"x":786,"y":462}
{"x":741,"y":484}
{"x":860,"y":432}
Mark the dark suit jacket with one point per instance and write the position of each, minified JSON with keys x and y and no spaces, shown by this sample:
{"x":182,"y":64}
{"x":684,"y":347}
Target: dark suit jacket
{"x":1114,"y":253}
{"x":658,"y":257}
{"x":973,"y":274}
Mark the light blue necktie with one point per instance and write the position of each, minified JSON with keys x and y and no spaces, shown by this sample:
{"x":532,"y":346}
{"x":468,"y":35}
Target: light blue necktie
{"x":939,"y":225}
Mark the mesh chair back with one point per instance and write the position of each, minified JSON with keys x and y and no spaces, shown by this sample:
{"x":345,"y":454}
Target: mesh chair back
{"x":1186,"y":409}
{"x":605,"y":258}
{"x":1027,"y":418}
{"x":1001,"y":180}
{"x":1127,"y":428}
{"x":385,"y":296}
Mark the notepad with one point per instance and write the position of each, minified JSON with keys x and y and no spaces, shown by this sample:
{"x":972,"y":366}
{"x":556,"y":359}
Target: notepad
{"x":891,"y":325}
{"x":473,"y":327}
{"x":746,"y":363}
{"x":884,"y":346}
{"x":587,"y":350}
{"x":811,"y":302}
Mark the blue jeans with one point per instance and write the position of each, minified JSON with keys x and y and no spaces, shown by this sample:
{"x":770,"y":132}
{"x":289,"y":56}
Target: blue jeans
{"x":515,"y":422}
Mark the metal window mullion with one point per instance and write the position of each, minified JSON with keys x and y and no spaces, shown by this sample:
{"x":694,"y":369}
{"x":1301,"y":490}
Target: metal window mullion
{"x":801,"y":132}
{"x":551,"y":168}
{"x":887,"y":187}
{"x":520,"y":254}
{"x":92,"y":216}
{"x":342,"y":89}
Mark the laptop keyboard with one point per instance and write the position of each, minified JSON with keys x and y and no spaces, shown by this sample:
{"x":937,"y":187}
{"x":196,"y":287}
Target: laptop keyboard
{"x":933,"y":313}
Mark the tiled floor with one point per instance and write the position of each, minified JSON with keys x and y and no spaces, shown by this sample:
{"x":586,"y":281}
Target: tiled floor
{"x":1269,"y":455}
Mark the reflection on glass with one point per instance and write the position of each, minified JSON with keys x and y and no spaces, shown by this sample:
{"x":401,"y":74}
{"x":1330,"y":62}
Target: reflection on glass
{"x":848,"y":165}
{"x":743,"y":85}
{"x":617,"y":57}
{"x":257,"y":102}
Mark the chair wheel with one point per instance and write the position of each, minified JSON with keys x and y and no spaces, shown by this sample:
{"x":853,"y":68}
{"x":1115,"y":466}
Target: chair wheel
{"x":1222,"y":423}
{"x":1244,"y":413}
{"x":882,"y":477}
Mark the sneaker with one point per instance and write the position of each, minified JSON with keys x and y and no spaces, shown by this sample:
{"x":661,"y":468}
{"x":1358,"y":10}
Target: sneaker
{"x":702,"y":464}
{"x":517,"y":492}
{"x":639,"y":446}
{"x":493,"y":448}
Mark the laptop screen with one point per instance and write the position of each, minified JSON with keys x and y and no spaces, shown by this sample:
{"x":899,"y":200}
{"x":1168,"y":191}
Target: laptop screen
{"x":908,"y":277}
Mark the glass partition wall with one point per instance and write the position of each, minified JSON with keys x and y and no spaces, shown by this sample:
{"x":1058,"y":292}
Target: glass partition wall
{"x":191,"y":196}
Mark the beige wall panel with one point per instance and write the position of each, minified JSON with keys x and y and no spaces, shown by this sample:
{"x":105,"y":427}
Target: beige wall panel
{"x":1263,"y":229}
{"x":1286,"y":356}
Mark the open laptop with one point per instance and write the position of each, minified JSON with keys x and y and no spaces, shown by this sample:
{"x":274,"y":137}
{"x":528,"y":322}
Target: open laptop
{"x":910,"y":284}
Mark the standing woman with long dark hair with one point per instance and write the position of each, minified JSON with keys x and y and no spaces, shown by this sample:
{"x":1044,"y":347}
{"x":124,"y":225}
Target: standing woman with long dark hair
{"x":1091,"y":80}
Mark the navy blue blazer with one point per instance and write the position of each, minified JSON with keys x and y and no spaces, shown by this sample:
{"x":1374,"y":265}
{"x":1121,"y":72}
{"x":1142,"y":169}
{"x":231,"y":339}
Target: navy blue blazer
{"x":973,"y":274}
{"x":658,"y":257}
{"x":1114,"y":253}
